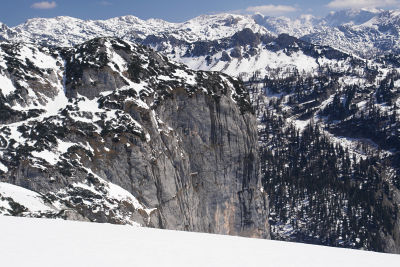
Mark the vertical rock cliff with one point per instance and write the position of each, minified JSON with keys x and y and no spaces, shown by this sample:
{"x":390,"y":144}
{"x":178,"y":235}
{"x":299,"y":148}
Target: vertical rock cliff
{"x":110,"y":131}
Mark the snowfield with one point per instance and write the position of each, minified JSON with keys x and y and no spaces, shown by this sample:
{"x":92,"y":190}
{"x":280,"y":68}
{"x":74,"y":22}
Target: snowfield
{"x":46,"y":242}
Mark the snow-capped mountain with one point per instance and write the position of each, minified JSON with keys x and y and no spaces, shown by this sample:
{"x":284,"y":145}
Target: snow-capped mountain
{"x":297,"y":27}
{"x":350,"y":16}
{"x":362,"y":32}
{"x":247,"y":53}
{"x":373,"y":34}
{"x":67,"y":31}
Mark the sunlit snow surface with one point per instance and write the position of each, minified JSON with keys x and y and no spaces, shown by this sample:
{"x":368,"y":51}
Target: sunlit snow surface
{"x":45,"y":242}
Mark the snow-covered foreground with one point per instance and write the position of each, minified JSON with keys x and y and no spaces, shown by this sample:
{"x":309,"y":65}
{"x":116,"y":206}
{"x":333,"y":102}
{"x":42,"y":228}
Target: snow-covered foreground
{"x":46,"y":242}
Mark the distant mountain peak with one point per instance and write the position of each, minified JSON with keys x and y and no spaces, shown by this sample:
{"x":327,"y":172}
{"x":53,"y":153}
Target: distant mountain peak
{"x":353,"y":16}
{"x":362,"y":32}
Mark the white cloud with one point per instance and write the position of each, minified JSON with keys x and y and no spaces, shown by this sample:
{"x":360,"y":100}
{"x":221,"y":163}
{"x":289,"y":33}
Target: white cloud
{"x":44,"y":5}
{"x":105,"y":3}
{"x":271,"y":9}
{"x":361,"y":3}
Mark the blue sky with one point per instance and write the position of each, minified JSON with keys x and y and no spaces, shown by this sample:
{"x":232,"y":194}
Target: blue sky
{"x":13,"y":12}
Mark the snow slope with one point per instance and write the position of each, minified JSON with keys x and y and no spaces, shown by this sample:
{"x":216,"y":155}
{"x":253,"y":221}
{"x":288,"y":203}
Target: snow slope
{"x":45,"y":242}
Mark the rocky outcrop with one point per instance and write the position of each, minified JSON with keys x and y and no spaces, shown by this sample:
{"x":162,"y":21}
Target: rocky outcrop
{"x":137,"y":140}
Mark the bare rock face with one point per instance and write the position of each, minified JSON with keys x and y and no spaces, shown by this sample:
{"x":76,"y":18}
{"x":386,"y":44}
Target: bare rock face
{"x":130,"y":138}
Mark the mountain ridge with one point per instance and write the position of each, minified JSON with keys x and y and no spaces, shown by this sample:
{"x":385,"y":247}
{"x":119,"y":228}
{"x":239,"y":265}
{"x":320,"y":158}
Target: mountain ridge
{"x":360,"y":32}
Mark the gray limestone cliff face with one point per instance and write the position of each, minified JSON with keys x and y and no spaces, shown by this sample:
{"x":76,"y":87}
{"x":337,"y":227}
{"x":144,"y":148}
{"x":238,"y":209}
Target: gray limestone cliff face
{"x":186,"y":152}
{"x":201,"y":175}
